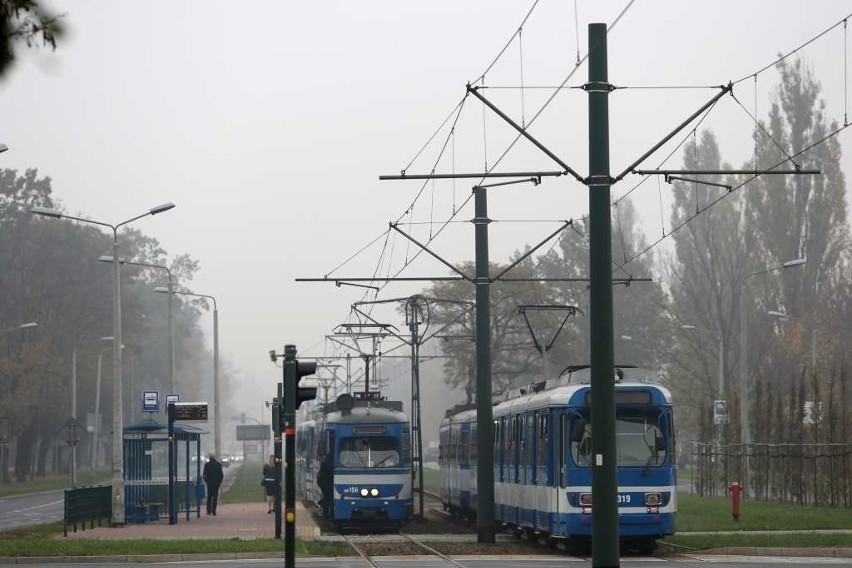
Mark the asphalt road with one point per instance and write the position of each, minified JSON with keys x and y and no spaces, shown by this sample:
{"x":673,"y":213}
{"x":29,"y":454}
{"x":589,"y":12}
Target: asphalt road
{"x":33,"y":509}
{"x":690,"y":561}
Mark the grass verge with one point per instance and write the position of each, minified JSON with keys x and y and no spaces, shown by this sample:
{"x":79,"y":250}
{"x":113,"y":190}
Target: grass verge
{"x":54,"y":483}
{"x":714,"y":514}
{"x":695,"y":514}
{"x":246,"y":487}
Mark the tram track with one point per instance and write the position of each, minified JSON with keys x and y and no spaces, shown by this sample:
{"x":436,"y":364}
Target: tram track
{"x":361,"y":551}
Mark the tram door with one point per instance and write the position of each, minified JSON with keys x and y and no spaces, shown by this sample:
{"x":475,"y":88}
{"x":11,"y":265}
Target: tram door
{"x":560,"y":473}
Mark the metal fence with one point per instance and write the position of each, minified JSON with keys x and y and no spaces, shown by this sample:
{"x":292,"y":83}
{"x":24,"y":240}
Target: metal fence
{"x":797,"y":473}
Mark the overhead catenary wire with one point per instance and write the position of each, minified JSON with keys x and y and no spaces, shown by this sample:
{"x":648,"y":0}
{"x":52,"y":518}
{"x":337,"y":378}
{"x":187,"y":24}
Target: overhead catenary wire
{"x":508,"y":43}
{"x":759,"y":126}
{"x":557,"y":89}
{"x":733,"y":190}
{"x":794,"y":51}
{"x":457,"y":112}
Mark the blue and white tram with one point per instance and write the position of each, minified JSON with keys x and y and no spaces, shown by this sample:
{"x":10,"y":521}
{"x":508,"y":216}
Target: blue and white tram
{"x":369,"y":440}
{"x":542,"y":458}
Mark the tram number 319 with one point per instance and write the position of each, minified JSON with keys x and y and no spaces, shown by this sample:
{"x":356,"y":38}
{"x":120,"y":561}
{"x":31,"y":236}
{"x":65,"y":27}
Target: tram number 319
{"x":623,"y":498}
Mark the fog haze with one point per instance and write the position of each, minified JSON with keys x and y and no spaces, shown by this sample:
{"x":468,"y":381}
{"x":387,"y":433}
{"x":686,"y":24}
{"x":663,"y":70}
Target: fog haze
{"x":268,"y":124}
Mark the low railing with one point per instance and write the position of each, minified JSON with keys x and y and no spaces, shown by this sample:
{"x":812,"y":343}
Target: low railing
{"x":87,"y":504}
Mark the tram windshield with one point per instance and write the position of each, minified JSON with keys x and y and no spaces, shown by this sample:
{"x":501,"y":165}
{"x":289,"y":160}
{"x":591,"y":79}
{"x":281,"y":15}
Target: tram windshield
{"x":369,"y":452}
{"x":639,"y":439}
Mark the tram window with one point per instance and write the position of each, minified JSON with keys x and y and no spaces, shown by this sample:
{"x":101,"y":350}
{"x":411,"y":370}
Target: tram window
{"x":369,"y":452}
{"x":474,"y":450}
{"x":498,"y":431}
{"x":497,"y":435}
{"x":464,"y":446}
{"x":581,"y":442}
{"x":541,"y":459}
{"x":640,"y":440}
{"x":562,"y":444}
{"x":406,"y":447}
{"x":510,"y":443}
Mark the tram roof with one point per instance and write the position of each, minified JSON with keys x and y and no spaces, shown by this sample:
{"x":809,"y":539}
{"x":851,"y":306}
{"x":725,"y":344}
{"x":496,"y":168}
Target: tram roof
{"x":150,"y":426}
{"x":366,"y":414}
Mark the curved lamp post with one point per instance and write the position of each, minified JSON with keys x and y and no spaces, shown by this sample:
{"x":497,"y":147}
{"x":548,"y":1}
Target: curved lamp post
{"x":77,"y":345}
{"x":721,"y":386}
{"x":4,"y":451}
{"x":745,"y":429}
{"x":785,"y":316}
{"x":22,"y":326}
{"x":117,"y":395}
{"x":217,"y":439}
{"x":107,"y":258}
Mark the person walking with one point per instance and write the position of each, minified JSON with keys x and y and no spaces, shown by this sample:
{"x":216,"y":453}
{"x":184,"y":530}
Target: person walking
{"x":212,"y":476}
{"x":325,"y":480}
{"x":268,"y":483}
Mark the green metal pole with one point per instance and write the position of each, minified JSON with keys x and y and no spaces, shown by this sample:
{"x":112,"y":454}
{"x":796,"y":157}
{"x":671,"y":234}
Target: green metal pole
{"x":277,"y":410}
{"x":605,"y":552}
{"x":290,"y":456}
{"x":484,"y":413}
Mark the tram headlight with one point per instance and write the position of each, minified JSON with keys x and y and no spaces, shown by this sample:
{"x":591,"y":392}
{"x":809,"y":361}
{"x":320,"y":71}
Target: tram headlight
{"x":364,"y":492}
{"x":374,"y":492}
{"x":585,"y":499}
{"x":653,"y":499}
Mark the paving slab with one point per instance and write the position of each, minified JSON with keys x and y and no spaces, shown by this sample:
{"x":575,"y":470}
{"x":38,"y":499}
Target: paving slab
{"x":237,"y":521}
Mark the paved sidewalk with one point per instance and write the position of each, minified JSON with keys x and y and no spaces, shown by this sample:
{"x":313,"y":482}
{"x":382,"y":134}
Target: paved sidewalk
{"x":244,"y":521}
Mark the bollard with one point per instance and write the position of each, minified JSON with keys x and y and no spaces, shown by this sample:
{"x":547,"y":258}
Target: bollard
{"x":735,"y":489}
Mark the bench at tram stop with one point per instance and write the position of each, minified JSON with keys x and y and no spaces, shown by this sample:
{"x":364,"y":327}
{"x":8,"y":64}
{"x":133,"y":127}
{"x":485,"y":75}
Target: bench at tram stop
{"x":144,"y":511}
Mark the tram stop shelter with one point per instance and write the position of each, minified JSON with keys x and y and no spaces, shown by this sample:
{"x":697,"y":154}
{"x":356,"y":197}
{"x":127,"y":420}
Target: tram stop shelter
{"x":146,"y":471}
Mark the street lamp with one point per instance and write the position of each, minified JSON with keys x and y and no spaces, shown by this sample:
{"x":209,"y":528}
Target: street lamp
{"x":22,"y":326}
{"x":117,"y":395}
{"x":721,"y":371}
{"x":217,"y":439}
{"x":96,"y":426}
{"x":745,"y":430}
{"x":107,"y":258}
{"x":74,"y":403}
{"x":4,"y":450}
{"x":783,"y":315}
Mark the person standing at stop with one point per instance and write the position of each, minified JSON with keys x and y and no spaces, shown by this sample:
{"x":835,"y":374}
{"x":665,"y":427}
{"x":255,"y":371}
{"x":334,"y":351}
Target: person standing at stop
{"x":213,"y":476}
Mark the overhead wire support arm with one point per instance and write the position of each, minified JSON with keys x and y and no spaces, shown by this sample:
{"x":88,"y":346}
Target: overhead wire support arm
{"x":631,"y":168}
{"x":340,"y":283}
{"x":523,"y":132}
{"x":524,"y":256}
{"x":671,"y":178}
{"x":426,"y":249}
{"x":572,"y":310}
{"x":385,"y":279}
{"x":752,"y":172}
{"x":403,"y":176}
{"x":375,"y":321}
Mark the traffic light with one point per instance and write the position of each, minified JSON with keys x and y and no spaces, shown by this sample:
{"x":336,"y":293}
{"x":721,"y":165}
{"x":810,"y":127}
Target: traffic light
{"x":304,"y":368}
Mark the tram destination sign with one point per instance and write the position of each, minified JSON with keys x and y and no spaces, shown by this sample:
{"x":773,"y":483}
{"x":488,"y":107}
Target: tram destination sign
{"x":188,"y":411}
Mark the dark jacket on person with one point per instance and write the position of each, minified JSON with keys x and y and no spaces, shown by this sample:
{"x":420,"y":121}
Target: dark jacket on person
{"x":325,"y":477}
{"x":212,"y":473}
{"x":268,"y":480}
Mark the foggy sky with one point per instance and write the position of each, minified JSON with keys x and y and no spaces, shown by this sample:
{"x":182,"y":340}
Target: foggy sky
{"x":268,"y":124}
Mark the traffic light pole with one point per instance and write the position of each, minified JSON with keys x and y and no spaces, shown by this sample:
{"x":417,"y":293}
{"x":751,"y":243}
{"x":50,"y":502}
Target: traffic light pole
{"x":289,"y":456}
{"x":276,"y":425}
